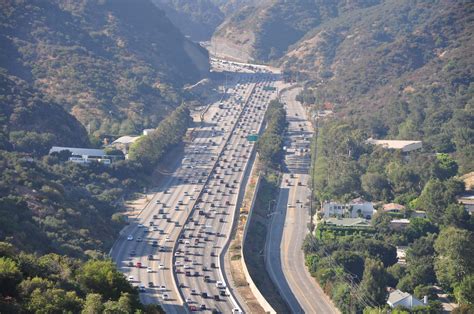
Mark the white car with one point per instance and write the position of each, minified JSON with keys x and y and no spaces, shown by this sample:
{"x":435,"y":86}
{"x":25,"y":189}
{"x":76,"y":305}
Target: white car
{"x":178,"y":264}
{"x":187,"y":266}
{"x":161,"y":266}
{"x":130,"y":238}
{"x":140,"y":226}
{"x":168,"y":239}
{"x":149,"y":270}
{"x":130,"y":278}
{"x":220,"y":284}
{"x":165,"y":296}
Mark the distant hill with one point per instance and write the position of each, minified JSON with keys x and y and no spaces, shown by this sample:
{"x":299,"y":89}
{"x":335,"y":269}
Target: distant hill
{"x":117,"y":66}
{"x":197,"y":19}
{"x":263,"y":30}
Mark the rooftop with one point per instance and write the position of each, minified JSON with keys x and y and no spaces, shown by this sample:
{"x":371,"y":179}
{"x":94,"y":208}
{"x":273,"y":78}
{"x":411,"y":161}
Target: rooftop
{"x":405,"y":146}
{"x":125,"y":139}
{"x":396,"y":296}
{"x":78,"y":151}
{"x":392,"y":206}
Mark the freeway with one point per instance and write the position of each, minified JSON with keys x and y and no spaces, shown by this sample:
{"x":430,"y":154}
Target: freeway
{"x":199,"y":254}
{"x":283,"y":254}
{"x":206,"y":178}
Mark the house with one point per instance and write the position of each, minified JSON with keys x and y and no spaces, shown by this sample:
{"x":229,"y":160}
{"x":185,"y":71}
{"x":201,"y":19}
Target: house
{"x":418,"y":214}
{"x":124,"y":142}
{"x":468,"y":202}
{"x":399,"y":224}
{"x":83,"y":155}
{"x":404,"y":146}
{"x":393,"y":208}
{"x":401,"y":254}
{"x":398,"y":298}
{"x":354,"y":209}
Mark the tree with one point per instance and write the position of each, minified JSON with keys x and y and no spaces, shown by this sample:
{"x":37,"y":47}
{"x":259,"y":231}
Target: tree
{"x":122,"y":306}
{"x":454,"y":260}
{"x":93,"y":304}
{"x":437,"y":195}
{"x":457,"y":216}
{"x":102,"y":277}
{"x":10,"y":276}
{"x":54,"y":300}
{"x":376,"y":186}
{"x":374,"y":282}
{"x":445,"y":167}
{"x":464,"y":292}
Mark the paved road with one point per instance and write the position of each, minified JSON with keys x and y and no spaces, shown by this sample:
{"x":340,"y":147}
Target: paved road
{"x":289,"y":219}
{"x":199,"y":264}
{"x":206,"y":178}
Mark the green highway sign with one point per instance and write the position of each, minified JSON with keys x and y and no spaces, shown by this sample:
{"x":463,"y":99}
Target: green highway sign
{"x":252,"y":138}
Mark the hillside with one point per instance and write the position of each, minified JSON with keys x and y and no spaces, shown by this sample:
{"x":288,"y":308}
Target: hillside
{"x":405,"y":68}
{"x":196,"y":19}
{"x":263,"y":30}
{"x":117,"y":67}
{"x":29,"y":123}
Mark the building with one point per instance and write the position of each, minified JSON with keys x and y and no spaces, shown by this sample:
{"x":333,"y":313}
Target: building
{"x":404,"y":146}
{"x":399,"y":298}
{"x":399,"y":224}
{"x":468,"y":202}
{"x":393,"y":208}
{"x":347,"y":222}
{"x":123,"y":143}
{"x":354,"y":209}
{"x":83,"y":155}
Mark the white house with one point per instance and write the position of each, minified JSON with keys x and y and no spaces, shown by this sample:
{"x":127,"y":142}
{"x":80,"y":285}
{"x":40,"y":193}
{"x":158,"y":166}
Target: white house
{"x":404,"y":299}
{"x":355,"y":208}
{"x":83,"y":155}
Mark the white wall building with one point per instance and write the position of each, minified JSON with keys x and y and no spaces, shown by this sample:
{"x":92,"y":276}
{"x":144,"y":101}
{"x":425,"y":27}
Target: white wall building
{"x":404,"y":299}
{"x":355,"y":208}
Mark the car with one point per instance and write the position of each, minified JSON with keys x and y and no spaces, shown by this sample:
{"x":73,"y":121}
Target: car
{"x":236,"y":311}
{"x":204,"y":295}
{"x":149,"y":270}
{"x":203,"y":306}
{"x":139,"y":265}
{"x":188,"y":300}
{"x":213,"y":265}
{"x":140,"y":226}
{"x":220,"y":284}
{"x":207,"y":278}
{"x":142,"y":288}
{"x":130,"y":238}
{"x":162,"y":288}
{"x":161,"y":266}
{"x":192,"y":308}
{"x":216,"y":297}
{"x":139,"y":239}
{"x":165,"y":296}
{"x":150,"y":257}
{"x":130,"y":278}
{"x":155,"y":228}
{"x":132,"y":253}
{"x":193,"y":292}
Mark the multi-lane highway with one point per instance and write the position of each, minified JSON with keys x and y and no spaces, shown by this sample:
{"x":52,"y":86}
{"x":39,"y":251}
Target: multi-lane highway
{"x":288,"y":226}
{"x":172,"y":249}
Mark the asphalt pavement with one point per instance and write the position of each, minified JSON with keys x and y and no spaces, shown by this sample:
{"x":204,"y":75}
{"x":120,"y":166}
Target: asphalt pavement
{"x":284,"y":256}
